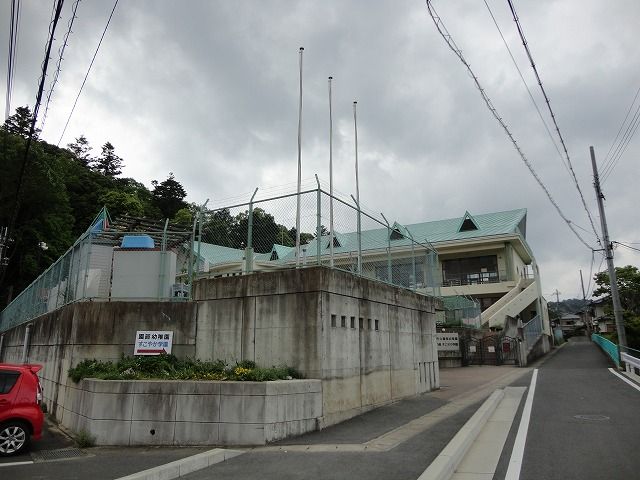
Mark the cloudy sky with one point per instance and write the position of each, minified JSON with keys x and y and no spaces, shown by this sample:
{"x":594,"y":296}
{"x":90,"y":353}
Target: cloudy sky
{"x":209,"y":90}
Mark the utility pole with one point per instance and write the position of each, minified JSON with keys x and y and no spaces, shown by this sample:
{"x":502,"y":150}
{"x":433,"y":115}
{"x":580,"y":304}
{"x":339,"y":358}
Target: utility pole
{"x":608,"y":248}
{"x":585,"y":313}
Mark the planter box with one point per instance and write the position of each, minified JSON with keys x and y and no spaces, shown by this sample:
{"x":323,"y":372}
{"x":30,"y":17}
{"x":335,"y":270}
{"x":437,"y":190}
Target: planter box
{"x":154,"y":412}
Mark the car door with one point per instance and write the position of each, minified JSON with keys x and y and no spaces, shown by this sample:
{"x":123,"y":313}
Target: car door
{"x":8,"y":389}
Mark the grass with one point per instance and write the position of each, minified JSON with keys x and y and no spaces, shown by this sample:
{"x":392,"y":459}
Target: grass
{"x":169,"y":367}
{"x":85,"y":440}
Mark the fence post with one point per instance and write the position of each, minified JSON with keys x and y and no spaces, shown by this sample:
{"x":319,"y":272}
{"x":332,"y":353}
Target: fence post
{"x":86,"y":267}
{"x":249,"y":250}
{"x":359,"y":237}
{"x":389,"y":271}
{"x":163,"y":261}
{"x":319,"y":222}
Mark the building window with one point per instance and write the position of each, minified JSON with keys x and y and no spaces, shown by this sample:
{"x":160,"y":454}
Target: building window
{"x":343,"y":321}
{"x":333,"y":320}
{"x":361,"y":323}
{"x":469,"y":271}
{"x":377,"y":325}
{"x":368,"y":324}
{"x":353,"y":322}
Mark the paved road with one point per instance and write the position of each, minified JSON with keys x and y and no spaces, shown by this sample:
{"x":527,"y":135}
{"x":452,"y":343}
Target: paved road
{"x":585,"y":421}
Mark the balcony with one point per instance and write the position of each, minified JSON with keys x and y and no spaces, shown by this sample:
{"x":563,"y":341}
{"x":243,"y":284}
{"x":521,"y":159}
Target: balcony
{"x":472,"y":278}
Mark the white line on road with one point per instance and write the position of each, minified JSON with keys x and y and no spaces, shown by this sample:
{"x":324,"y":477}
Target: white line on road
{"x":13,"y":464}
{"x":624,"y":379}
{"x":517,"y":454}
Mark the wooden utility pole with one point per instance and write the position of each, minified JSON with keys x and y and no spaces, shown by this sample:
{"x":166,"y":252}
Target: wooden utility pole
{"x":608,"y":248}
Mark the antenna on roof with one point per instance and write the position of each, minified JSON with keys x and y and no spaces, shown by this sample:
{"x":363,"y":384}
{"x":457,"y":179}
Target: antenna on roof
{"x":299,"y":165}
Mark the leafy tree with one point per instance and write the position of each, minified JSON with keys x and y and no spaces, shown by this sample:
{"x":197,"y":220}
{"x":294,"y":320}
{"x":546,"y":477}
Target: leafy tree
{"x":80,"y":149}
{"x":628,"y":281}
{"x":168,"y":196}
{"x":122,"y":203}
{"x":20,"y":123}
{"x":218,"y":228}
{"x":184,"y":216}
{"x":628,"y":287}
{"x":108,"y":163}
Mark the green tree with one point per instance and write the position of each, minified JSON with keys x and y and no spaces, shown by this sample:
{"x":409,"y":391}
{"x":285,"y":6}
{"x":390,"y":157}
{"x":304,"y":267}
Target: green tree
{"x":168,"y":196}
{"x":20,"y":123}
{"x":122,"y":203}
{"x":184,"y":217}
{"x":80,"y":149}
{"x":108,"y":163}
{"x":628,"y":282}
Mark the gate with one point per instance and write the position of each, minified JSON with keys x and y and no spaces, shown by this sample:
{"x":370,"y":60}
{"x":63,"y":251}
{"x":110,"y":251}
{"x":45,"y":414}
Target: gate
{"x":491,"y":350}
{"x":509,"y":351}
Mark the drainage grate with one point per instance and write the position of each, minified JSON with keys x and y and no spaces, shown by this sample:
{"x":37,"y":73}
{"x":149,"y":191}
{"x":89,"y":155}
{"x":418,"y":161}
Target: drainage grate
{"x":597,"y":418}
{"x":62,"y":454}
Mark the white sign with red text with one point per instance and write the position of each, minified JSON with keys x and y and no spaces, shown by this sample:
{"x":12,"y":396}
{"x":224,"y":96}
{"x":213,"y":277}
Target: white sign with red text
{"x":153,"y":342}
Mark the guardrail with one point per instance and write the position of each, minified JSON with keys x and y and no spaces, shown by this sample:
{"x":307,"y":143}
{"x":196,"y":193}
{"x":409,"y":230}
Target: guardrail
{"x":608,"y":347}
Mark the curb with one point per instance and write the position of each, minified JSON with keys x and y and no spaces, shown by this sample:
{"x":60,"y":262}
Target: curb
{"x":184,"y":466}
{"x":445,"y":464}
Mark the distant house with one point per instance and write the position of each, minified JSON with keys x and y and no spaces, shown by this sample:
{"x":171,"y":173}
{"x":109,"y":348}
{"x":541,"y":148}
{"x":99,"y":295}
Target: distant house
{"x":570,"y":323}
{"x":602,"y":322}
{"x":481,"y":257}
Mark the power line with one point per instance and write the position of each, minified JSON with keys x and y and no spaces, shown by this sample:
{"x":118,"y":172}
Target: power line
{"x":553,"y":117}
{"x":59,"y":63}
{"x":87,"y":74}
{"x":606,"y":157}
{"x":524,"y":82}
{"x":14,"y":27}
{"x":632,"y":127}
{"x":452,"y":45}
{"x":627,"y":246}
{"x":32,"y":128}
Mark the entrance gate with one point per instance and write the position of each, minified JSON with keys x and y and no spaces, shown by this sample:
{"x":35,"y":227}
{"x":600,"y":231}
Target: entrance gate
{"x":491,"y":350}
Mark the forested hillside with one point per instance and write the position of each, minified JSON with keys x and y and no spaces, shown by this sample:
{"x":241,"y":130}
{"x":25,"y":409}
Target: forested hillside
{"x":49,"y":198}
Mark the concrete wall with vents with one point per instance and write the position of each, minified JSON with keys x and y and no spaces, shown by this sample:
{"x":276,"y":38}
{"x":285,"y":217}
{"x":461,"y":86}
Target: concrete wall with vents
{"x":368,"y":343}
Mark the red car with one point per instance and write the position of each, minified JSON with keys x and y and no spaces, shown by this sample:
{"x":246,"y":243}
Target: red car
{"x":21,"y":417}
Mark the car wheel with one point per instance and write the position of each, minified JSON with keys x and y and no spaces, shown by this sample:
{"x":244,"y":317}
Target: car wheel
{"x":14,"y":438}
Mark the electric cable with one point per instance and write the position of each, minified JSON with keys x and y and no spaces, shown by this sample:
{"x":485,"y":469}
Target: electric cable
{"x":454,"y":48}
{"x":553,"y":117}
{"x":32,"y":128}
{"x":59,"y":63}
{"x":87,"y":74}
{"x":606,"y":157}
{"x":622,"y":145}
{"x":14,"y":27}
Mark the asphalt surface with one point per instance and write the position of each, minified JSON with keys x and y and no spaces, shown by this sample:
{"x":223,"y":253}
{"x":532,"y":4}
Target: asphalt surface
{"x":584,"y":423}
{"x":560,"y":444}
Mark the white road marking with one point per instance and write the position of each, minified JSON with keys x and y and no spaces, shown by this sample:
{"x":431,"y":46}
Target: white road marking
{"x":13,"y":464}
{"x":517,"y":454}
{"x":624,"y":379}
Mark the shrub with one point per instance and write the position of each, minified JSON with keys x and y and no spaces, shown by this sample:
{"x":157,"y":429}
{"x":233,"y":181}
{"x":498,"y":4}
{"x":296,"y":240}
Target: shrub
{"x":169,"y":367}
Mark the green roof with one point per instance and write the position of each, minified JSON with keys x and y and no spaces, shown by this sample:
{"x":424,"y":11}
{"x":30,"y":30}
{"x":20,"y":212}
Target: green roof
{"x":489,"y":224}
{"x":438,"y":231}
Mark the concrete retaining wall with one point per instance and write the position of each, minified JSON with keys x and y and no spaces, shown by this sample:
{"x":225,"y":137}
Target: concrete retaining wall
{"x":369,"y":343}
{"x":192,"y":412}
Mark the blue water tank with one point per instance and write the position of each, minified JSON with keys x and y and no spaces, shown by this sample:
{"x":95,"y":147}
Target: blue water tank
{"x":137,"y":241}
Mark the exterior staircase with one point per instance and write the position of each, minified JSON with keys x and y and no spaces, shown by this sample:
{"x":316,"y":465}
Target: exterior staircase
{"x":515,"y":301}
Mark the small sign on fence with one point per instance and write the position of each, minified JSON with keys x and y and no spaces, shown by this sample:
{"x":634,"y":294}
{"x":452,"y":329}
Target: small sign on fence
{"x":153,"y":342}
{"x":447,"y":342}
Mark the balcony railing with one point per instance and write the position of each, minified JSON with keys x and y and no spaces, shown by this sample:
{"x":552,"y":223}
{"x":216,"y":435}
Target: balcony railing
{"x":472,"y":278}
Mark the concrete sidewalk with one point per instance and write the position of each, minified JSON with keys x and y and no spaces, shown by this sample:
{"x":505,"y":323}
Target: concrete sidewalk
{"x":396,"y":441}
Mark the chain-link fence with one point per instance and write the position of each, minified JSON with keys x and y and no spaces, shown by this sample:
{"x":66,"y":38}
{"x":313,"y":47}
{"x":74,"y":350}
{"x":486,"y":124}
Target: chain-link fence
{"x":263,"y":234}
{"x":105,"y":265}
{"x":257,"y":235}
{"x":460,"y":311}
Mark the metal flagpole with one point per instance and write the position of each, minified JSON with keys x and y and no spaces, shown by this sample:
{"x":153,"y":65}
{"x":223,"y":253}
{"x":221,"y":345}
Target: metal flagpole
{"x":355,"y":130}
{"x":299,"y":166}
{"x":330,"y":177}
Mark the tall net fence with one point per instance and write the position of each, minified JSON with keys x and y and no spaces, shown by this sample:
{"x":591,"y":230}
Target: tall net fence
{"x":263,"y":234}
{"x":255,"y":235}
{"x":100,"y":267}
